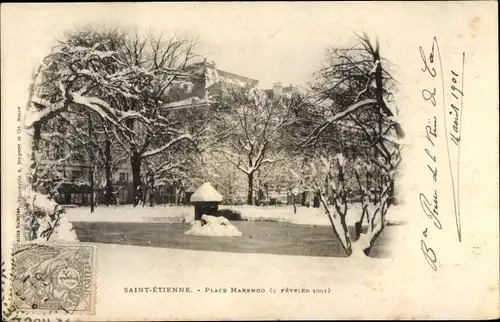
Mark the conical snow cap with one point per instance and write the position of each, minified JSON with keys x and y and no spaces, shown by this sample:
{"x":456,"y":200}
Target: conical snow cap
{"x":206,"y":193}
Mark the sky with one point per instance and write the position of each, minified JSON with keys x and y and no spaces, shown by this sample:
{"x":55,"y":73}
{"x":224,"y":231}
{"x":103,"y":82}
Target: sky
{"x":269,"y":42}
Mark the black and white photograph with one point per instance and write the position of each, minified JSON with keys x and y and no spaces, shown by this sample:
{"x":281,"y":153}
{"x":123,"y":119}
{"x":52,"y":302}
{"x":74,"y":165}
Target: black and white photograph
{"x":227,"y":161}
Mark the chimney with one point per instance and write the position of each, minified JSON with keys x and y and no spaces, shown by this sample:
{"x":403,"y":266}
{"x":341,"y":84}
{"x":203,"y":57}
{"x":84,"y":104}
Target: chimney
{"x":277,"y":90}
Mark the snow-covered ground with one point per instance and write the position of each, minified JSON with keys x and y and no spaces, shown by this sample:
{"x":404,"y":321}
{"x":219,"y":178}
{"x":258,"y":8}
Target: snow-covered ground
{"x":358,"y":287}
{"x":213,"y":226}
{"x":402,"y":287}
{"x":179,"y":214}
{"x":128,"y":213}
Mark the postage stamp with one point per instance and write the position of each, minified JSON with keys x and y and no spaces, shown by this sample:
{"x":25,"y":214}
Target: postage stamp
{"x":54,"y":278}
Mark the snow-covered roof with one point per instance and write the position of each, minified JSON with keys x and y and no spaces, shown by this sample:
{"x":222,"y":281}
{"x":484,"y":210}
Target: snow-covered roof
{"x":213,"y":75}
{"x":206,"y":193}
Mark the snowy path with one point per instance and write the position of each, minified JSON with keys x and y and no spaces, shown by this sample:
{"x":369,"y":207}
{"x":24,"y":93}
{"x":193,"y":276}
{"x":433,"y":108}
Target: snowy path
{"x":178,"y":214}
{"x":359,"y":288}
{"x":215,"y":270}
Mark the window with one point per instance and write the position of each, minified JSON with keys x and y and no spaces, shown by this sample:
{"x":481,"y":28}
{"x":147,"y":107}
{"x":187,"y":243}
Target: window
{"x":123,"y":176}
{"x":76,"y":198}
{"x":76,"y":175}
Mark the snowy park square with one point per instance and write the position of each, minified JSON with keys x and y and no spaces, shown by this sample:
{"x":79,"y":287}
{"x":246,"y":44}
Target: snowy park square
{"x":116,"y":117}
{"x":271,"y":230}
{"x":139,"y":142}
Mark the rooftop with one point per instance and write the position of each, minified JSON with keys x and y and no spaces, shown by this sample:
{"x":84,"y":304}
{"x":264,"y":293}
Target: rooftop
{"x":218,"y":75}
{"x":206,"y":193}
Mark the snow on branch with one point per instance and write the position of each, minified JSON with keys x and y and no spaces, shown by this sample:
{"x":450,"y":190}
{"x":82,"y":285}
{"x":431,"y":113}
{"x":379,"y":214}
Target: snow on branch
{"x":35,"y":114}
{"x":235,"y":159}
{"x":97,"y":105}
{"x":168,"y":145}
{"x":332,"y":119}
{"x":350,"y":109}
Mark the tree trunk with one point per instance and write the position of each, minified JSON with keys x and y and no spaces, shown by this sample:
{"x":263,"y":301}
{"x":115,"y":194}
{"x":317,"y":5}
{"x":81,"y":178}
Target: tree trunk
{"x":372,"y":239}
{"x":393,"y":201}
{"x":151,"y":191}
{"x":250,"y":189}
{"x":37,"y":128}
{"x":184,"y":196}
{"x":290,"y":198}
{"x":91,"y":181}
{"x":91,"y":168}
{"x":108,"y":195}
{"x":379,"y":95}
{"x":145,"y":193}
{"x":135,"y":163}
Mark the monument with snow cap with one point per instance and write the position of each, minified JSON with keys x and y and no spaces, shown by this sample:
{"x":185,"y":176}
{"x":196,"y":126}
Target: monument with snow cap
{"x":206,"y":201}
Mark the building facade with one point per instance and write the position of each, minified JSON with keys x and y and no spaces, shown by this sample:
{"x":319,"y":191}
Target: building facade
{"x":73,"y":173}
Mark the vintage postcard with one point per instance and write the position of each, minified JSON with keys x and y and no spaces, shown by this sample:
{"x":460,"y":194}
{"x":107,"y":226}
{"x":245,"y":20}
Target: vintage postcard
{"x":243,"y":161}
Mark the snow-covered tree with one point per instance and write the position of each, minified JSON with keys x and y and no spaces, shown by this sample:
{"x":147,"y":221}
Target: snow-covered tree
{"x":131,"y":83}
{"x":152,"y":120}
{"x":354,"y":91}
{"x":81,"y":74}
{"x":256,"y":122}
{"x":42,"y":218}
{"x":172,"y":168}
{"x":287,"y":175}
